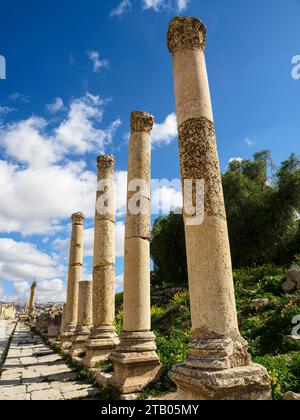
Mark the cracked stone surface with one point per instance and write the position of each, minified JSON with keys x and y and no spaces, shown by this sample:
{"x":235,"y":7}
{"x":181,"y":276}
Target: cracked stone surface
{"x":32,"y":371}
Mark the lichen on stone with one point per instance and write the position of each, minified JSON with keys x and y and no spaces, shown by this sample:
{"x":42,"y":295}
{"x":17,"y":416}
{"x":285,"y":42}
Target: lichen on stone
{"x":199,"y":161}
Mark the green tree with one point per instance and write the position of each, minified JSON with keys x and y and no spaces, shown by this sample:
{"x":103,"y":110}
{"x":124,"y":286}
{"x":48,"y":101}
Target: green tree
{"x":263,"y":207}
{"x":168,"y":251}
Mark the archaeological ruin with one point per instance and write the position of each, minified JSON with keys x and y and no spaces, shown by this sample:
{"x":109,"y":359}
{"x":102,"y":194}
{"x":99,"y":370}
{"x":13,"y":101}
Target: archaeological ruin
{"x":218,"y":366}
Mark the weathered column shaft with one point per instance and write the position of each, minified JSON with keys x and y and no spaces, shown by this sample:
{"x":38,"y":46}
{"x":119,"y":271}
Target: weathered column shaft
{"x":135,"y":360}
{"x":75,"y":268}
{"x":32,"y":299}
{"x":85,"y":304}
{"x":217,"y":344}
{"x":103,"y":337}
{"x":208,"y":251}
{"x":84,"y":322}
{"x":63,"y":320}
{"x":74,"y":277}
{"x":104,"y":246}
{"x":137,"y":230}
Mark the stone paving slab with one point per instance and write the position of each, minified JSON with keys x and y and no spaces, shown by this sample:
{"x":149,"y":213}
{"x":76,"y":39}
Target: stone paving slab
{"x":6,"y":330}
{"x":32,"y":371}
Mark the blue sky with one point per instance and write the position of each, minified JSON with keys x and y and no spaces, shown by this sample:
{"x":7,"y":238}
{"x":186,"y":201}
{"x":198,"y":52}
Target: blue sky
{"x":75,"y":71}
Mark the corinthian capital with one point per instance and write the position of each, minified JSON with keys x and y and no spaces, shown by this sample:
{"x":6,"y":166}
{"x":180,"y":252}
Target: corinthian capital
{"x":141,"y":121}
{"x":186,"y":33}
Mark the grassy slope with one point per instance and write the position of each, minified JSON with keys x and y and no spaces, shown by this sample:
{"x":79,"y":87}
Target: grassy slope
{"x":263,"y":329}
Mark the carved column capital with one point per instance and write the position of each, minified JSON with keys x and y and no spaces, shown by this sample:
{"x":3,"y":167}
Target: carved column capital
{"x":141,"y":121}
{"x":186,"y":33}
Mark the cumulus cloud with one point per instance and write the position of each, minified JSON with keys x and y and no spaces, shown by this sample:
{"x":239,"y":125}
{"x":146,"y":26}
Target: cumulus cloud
{"x":122,"y":8}
{"x":62,"y":245}
{"x":39,"y":185}
{"x":51,"y":291}
{"x":56,"y":106}
{"x":22,"y":260}
{"x":47,"y":291}
{"x":98,"y":63}
{"x":166,"y":132}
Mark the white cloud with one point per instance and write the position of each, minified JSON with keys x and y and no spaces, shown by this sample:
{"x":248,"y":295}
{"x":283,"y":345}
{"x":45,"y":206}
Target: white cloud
{"x":122,"y":8}
{"x":236,"y":159}
{"x":249,"y":142}
{"x":119,"y":283}
{"x":77,"y":132}
{"x":19,"y":97}
{"x":47,"y":291}
{"x":165,"y":133}
{"x":51,"y":291}
{"x":56,"y":106}
{"x":4,"y":110}
{"x":158,"y":5}
{"x":153,"y":4}
{"x":62,"y":245}
{"x":40,"y":187}
{"x":98,"y":63}
{"x":21,"y":291}
{"x":182,"y":4}
{"x":166,"y":197}
{"x":1,"y":292}
{"x":22,"y":260}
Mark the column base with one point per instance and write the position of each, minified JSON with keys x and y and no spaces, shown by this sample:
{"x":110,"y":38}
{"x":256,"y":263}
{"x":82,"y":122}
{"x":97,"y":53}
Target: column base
{"x":102,"y":342}
{"x":221,"y":369}
{"x":67,"y":338}
{"x":79,"y":341}
{"x":135,"y":361}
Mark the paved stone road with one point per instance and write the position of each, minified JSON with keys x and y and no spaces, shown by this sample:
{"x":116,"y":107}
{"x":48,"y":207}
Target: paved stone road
{"x":34,"y":372}
{"x":6,"y":329}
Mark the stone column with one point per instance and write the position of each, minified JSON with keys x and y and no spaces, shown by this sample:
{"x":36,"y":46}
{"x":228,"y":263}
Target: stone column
{"x":103,"y":338}
{"x":219,"y":366}
{"x":63,"y":321}
{"x":31,"y":305}
{"x":135,"y":361}
{"x":85,"y":320}
{"x":74,"y":277}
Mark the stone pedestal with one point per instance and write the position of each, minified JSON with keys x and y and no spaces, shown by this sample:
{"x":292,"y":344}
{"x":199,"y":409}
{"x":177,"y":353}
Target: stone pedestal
{"x":219,"y":366}
{"x":135,"y":361}
{"x":103,"y":338}
{"x":74,"y":277}
{"x":84,"y":323}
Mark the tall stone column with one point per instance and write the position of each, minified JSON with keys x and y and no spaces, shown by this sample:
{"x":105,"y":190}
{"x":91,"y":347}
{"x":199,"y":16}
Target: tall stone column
{"x":135,"y":361}
{"x":85,"y":320}
{"x":74,"y":277}
{"x":218,"y":366}
{"x":63,"y":321}
{"x":103,"y":338}
{"x":31,"y":305}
